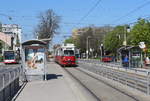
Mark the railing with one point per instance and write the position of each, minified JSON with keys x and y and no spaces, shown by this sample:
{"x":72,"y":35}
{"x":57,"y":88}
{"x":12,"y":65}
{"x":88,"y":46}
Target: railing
{"x":116,"y":65}
{"x":139,"y":82}
{"x":9,"y":84}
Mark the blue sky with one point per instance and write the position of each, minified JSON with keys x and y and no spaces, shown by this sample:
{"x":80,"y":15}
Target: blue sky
{"x":25,"y":12}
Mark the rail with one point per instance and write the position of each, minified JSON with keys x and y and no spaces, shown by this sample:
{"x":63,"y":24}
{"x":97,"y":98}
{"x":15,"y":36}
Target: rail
{"x":9,"y":84}
{"x":139,"y":82}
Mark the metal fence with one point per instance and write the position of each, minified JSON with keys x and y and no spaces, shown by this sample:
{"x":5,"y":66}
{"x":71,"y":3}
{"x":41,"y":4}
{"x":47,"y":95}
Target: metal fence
{"x":139,"y":82}
{"x":115,"y":65}
{"x":9,"y":84}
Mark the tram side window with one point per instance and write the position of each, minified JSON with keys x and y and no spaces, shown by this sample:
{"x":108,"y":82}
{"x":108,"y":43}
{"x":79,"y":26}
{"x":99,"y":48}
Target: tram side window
{"x":68,"y":53}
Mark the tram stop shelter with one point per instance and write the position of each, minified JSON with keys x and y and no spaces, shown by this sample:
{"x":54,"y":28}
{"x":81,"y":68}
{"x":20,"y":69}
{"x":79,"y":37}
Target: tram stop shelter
{"x":130,"y":56}
{"x":34,"y":60}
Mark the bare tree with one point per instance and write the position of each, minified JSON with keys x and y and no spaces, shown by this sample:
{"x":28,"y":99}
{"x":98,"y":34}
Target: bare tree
{"x":48,"y":25}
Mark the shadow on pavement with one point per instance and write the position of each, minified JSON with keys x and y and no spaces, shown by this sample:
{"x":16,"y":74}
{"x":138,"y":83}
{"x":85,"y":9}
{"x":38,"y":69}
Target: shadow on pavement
{"x":71,"y":66}
{"x":52,"y":76}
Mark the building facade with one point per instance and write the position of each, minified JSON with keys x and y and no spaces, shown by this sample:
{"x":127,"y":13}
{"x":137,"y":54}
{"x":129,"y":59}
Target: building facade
{"x":14,"y":31}
{"x":78,"y":32}
{"x":5,"y":42}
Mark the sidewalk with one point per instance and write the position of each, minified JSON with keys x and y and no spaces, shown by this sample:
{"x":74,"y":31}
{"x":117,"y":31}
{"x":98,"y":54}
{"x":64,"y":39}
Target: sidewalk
{"x":56,"y":88}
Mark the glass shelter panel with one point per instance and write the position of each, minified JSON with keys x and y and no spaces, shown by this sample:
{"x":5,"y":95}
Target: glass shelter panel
{"x":34,"y":60}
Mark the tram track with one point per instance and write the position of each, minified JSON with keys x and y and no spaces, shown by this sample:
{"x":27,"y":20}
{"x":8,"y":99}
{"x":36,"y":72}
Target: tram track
{"x":71,"y":71}
{"x":98,"y":99}
{"x":132,"y":80}
{"x":109,"y":85}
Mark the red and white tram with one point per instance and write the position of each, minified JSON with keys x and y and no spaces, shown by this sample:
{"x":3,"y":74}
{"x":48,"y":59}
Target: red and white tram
{"x":65,"y":55}
{"x":10,"y":56}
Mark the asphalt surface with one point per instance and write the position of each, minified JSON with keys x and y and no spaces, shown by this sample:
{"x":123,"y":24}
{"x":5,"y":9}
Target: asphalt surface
{"x":125,"y":77}
{"x":101,"y":90}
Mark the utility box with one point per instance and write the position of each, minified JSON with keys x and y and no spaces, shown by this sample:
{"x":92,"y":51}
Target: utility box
{"x":34,"y":60}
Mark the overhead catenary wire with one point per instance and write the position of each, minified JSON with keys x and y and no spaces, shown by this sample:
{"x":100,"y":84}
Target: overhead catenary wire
{"x":132,"y":11}
{"x":87,"y":14}
{"x":90,"y":10}
{"x":133,"y":20}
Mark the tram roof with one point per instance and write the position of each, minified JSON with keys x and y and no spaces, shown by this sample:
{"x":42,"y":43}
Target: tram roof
{"x":31,"y":42}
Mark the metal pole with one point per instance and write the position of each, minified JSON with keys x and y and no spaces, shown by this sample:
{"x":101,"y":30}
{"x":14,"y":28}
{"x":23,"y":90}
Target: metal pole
{"x":87,"y":47}
{"x":125,"y":36}
{"x":129,"y":60}
{"x":45,"y":78}
{"x":120,"y":59}
{"x":101,"y":51}
{"x":148,"y":83}
{"x":141,"y":59}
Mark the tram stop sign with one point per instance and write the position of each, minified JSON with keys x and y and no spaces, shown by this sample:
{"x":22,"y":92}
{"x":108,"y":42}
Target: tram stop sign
{"x":142,"y":45}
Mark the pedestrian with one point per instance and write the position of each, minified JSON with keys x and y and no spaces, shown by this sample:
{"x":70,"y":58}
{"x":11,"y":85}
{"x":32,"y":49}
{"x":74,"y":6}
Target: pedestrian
{"x":126,"y":61}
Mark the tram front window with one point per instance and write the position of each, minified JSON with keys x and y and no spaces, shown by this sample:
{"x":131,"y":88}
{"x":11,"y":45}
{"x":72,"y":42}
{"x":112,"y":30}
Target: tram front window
{"x":9,"y":56}
{"x":68,"y":53}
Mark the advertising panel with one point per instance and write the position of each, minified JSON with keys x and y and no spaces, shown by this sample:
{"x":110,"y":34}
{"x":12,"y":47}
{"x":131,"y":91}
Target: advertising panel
{"x":34,"y":60}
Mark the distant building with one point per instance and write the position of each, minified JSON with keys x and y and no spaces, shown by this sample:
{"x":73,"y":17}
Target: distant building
{"x":5,"y":42}
{"x":80,"y":31}
{"x":15,"y":32}
{"x":77,"y":32}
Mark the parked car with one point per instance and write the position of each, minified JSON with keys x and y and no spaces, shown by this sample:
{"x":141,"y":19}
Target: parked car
{"x":107,"y":58}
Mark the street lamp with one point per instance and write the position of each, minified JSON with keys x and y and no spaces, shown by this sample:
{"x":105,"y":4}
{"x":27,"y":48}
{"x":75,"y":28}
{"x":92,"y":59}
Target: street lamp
{"x":101,"y":50}
{"x":126,"y":29}
{"x":87,"y":47}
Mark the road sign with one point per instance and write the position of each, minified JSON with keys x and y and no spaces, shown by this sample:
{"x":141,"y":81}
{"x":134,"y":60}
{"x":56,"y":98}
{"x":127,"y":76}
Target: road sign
{"x":142,"y":45}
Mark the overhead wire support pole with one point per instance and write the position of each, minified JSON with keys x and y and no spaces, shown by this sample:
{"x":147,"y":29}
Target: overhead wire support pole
{"x":87,"y":47}
{"x":125,"y":36}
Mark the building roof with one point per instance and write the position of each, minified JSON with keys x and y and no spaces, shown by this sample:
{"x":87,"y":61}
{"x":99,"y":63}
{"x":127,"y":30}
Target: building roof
{"x":127,"y":48}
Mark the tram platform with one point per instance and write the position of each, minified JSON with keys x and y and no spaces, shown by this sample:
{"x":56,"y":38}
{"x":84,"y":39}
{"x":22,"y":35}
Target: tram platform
{"x":58,"y":87}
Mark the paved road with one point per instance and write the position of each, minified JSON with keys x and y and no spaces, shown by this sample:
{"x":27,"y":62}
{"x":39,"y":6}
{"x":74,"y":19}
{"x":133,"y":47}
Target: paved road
{"x":101,"y":90}
{"x":129,"y":78}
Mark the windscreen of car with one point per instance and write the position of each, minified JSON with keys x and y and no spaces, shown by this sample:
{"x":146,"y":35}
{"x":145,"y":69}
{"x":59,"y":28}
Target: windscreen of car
{"x":68,"y":53}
